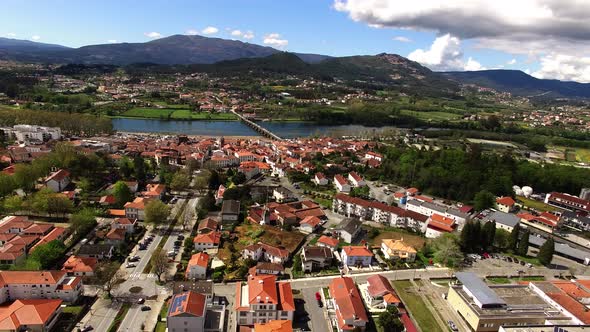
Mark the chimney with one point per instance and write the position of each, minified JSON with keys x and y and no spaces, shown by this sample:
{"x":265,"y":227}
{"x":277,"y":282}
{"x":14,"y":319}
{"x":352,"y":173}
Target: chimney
{"x":267,"y":299}
{"x":258,"y":298}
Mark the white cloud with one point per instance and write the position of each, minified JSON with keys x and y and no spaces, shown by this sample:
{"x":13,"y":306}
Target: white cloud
{"x":210,"y":30}
{"x":236,"y":33}
{"x":402,"y":39}
{"x":274,"y":39}
{"x":11,"y":35}
{"x":565,"y":68}
{"x":248,"y":35}
{"x":472,"y":65}
{"x":511,"y":62}
{"x":191,"y":32}
{"x":541,"y":30}
{"x":445,"y":54}
{"x":112,"y":41}
{"x":36,"y":37}
{"x":152,"y":34}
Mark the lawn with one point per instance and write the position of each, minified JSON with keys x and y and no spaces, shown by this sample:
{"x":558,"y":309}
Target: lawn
{"x":160,"y":327}
{"x":583,"y":155}
{"x":146,"y":112}
{"x":415,"y":241}
{"x":188,"y":114}
{"x":504,"y":280}
{"x":416,"y":306}
{"x":537,"y":205}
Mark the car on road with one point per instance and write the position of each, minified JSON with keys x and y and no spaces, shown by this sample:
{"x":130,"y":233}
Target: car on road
{"x":133,"y":258}
{"x":130,"y":265}
{"x":177,"y":243}
{"x":86,"y":328}
{"x":180,"y":237}
{"x":171,"y":253}
{"x":146,"y":308}
{"x":452,"y":326}
{"x":141,"y":300}
{"x":142,"y":247}
{"x":318,"y":298}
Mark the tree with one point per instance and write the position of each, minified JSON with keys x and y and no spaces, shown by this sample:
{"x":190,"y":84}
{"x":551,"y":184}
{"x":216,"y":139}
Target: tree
{"x":201,"y":184}
{"x":48,"y":254}
{"x":122,"y":193}
{"x":239,"y":178}
{"x":156,"y":212}
{"x":514,"y":237}
{"x":389,"y":321}
{"x":159,"y":262}
{"x":111,"y":276}
{"x":545,"y":255}
{"x":125,"y":167}
{"x":501,"y":239}
{"x":468,"y":237}
{"x":488,"y":234}
{"x":214,"y":180}
{"x":59,"y":204}
{"x":82,"y":222}
{"x":447,"y":250}
{"x":180,"y":181}
{"x":362,"y":192}
{"x":523,"y":243}
{"x":484,"y":200}
{"x":13,"y":203}
{"x":139,"y":168}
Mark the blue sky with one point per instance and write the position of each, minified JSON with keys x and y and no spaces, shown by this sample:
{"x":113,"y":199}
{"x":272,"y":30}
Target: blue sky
{"x":332,"y":27}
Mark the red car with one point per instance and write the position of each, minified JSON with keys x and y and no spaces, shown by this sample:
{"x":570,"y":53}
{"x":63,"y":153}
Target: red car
{"x":318,"y":296}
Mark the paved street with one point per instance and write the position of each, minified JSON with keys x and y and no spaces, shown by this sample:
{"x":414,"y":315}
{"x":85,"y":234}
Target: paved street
{"x":318,"y":321}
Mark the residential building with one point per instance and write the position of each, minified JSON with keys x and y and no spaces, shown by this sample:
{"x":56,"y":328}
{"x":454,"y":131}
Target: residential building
{"x":207,"y":225}
{"x":284,"y":214}
{"x":310,"y":224}
{"x":320,"y":179}
{"x":505,"y":204}
{"x":328,"y":242}
{"x":348,"y":304}
{"x":356,"y":256}
{"x":24,"y":285}
{"x":125,"y":223}
{"x":505,"y":221}
{"x":186,"y":312}
{"x":546,"y":221}
{"x":398,"y":249}
{"x":206,"y":241}
{"x":341,"y":183}
{"x":26,"y":133}
{"x":35,"y":315}
{"x":115,"y":236}
{"x":379,"y":292}
{"x":438,"y":225}
{"x":274,"y":326}
{"x":282,"y":195}
{"x":349,"y":229}
{"x":58,"y":180}
{"x":266,"y":268}
{"x":265,"y":252}
{"x":230,"y":212}
{"x":263,"y":299}
{"x":80,"y":266}
{"x":155,"y":191}
{"x":316,"y":258}
{"x":99,"y":251}
{"x":487,"y":308}
{"x":570,"y":297}
{"x":197,"y":266}
{"x":136,"y":210}
{"x":356,"y":180}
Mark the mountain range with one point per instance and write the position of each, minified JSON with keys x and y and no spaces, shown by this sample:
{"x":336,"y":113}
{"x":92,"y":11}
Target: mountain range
{"x":232,"y":55}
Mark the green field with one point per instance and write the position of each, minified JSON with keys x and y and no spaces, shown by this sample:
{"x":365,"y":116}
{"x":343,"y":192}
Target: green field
{"x":432,"y":116}
{"x":416,"y":306}
{"x":537,"y":205}
{"x":175,"y":114}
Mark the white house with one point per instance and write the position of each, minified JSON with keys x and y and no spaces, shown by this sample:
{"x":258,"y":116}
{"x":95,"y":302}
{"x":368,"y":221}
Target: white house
{"x":124,"y":223}
{"x":40,"y":285}
{"x":341,"y":183}
{"x":356,"y":256}
{"x":320,"y":179}
{"x":356,"y":180}
{"x":263,"y":299}
{"x":197,"y":266}
{"x":262,"y":251}
{"x":207,"y":241}
{"x":58,"y":181}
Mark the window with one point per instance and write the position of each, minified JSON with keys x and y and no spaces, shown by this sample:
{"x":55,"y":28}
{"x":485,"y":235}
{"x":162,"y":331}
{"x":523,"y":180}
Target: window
{"x":243,"y":314}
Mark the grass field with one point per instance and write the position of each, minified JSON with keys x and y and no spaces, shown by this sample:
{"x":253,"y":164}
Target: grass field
{"x":432,"y":116}
{"x":537,"y":205}
{"x":416,"y":306}
{"x":176,"y":114}
{"x":504,"y":280}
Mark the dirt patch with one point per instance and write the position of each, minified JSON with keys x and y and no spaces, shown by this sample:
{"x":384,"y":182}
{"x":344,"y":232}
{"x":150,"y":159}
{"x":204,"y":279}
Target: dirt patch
{"x":415,"y":241}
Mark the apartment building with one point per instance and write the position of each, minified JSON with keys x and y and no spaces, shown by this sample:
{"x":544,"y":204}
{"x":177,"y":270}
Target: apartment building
{"x":263,"y":299}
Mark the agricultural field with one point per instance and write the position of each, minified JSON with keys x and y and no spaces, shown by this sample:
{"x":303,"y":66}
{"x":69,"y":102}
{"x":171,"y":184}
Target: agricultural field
{"x":146,"y":112}
{"x":432,"y":116}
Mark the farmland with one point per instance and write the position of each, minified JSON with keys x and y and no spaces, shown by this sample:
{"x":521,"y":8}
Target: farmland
{"x":175,"y":114}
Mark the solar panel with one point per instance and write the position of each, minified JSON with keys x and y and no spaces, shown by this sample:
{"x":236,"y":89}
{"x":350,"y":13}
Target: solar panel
{"x":178,"y":302}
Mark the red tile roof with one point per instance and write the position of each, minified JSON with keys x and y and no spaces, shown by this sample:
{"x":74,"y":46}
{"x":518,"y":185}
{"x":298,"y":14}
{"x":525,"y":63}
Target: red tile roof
{"x":348,"y":300}
{"x":356,"y":251}
{"x":187,"y":303}
{"x":22,"y":314}
{"x":274,"y":326}
{"x":506,"y":200}
{"x":213,"y":238}
{"x":329,"y":241}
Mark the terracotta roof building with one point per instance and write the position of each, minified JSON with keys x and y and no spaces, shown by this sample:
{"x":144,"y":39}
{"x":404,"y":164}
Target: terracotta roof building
{"x":264,"y":294}
{"x":350,"y":310}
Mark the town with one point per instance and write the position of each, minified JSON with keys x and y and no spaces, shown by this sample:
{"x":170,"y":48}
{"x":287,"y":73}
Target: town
{"x":149,"y":232}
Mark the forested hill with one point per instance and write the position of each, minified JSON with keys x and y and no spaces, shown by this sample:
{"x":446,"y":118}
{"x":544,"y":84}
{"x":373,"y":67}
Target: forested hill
{"x":521,"y":84}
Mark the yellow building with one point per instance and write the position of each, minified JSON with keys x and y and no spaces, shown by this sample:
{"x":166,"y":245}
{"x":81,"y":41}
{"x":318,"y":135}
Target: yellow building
{"x":398,"y":249}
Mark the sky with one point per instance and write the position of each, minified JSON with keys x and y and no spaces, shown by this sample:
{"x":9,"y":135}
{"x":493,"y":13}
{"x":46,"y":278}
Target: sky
{"x":546,"y":38}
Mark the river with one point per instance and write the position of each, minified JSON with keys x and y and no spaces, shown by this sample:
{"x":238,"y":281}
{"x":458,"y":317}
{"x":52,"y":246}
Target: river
{"x":237,"y":128}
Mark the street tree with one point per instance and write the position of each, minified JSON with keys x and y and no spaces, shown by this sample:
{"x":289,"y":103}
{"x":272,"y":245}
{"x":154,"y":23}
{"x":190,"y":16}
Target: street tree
{"x":122,"y":193}
{"x":546,"y":252}
{"x":514,"y":237}
{"x":156,"y":212}
{"x":159,"y":263}
{"x":523,"y":243}
{"x":180,"y":181}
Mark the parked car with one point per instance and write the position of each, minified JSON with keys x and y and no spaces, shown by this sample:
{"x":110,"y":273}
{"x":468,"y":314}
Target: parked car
{"x":130,"y":265}
{"x":142,"y":247}
{"x":171,"y":253}
{"x":87,"y":328}
{"x":146,"y":308}
{"x":180,"y":237}
{"x":318,"y":298}
{"x":141,"y":300}
{"x":453,"y":326}
{"x":133,"y":258}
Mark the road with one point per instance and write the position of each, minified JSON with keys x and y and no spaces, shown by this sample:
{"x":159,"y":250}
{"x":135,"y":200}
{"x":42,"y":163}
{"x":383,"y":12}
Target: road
{"x":318,"y":321}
